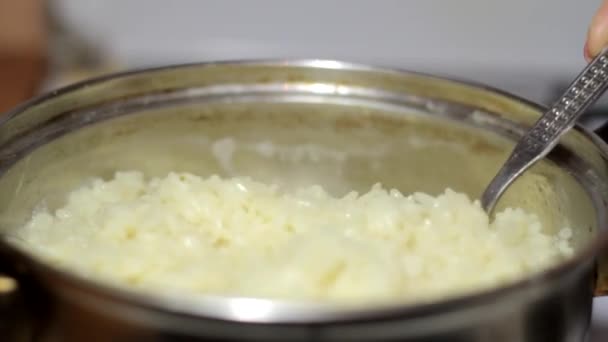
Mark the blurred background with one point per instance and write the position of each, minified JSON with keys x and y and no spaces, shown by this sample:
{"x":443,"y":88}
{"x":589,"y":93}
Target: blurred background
{"x":530,"y":48}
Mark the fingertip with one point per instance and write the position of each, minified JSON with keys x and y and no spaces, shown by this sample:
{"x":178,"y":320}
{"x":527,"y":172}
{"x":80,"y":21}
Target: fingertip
{"x":597,"y":36}
{"x":587,"y":53}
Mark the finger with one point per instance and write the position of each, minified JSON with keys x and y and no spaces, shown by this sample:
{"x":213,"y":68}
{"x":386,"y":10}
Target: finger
{"x":597,"y":36}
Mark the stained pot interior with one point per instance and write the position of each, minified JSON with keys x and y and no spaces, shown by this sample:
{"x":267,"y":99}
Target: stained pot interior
{"x":294,"y":142}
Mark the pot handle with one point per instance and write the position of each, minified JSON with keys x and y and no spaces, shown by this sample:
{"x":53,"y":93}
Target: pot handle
{"x":601,"y":281}
{"x":15,"y":321}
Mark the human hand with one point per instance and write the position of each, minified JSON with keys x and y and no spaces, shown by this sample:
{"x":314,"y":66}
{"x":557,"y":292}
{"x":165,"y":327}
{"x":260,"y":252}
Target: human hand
{"x":597,"y":36}
{"x":23,"y":40}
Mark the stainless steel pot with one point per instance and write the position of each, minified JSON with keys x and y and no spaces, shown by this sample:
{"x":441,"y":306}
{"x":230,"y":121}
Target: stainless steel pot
{"x":410,"y":131}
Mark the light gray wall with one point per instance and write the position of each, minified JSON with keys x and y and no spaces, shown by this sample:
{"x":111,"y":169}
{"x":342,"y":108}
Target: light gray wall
{"x":525,"y":46}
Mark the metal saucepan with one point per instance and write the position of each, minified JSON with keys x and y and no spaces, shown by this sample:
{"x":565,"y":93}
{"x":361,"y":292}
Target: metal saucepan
{"x":409,"y":131}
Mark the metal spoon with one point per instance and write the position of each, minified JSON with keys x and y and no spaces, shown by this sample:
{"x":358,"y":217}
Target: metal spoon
{"x":590,"y":84}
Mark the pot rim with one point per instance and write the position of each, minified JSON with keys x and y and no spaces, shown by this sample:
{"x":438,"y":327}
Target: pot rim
{"x":286,"y":312}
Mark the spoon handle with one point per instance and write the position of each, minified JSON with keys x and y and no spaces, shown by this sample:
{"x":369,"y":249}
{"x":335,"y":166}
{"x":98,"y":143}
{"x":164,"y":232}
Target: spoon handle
{"x":545,"y":133}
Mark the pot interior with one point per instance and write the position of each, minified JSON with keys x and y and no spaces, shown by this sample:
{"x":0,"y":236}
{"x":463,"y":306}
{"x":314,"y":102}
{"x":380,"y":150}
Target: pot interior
{"x":294,"y":138}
